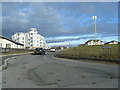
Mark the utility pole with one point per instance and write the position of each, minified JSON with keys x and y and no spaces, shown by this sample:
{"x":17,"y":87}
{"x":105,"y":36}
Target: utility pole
{"x":71,"y":43}
{"x":94,"y":18}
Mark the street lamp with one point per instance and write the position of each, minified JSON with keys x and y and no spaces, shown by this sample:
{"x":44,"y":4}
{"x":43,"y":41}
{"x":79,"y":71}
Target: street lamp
{"x":95,"y":17}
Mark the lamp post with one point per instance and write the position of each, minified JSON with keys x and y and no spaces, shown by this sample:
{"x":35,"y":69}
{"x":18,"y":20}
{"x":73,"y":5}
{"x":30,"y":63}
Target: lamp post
{"x":95,"y":17}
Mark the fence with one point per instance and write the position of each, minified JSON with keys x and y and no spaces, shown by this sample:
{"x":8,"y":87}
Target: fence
{"x":6,"y":50}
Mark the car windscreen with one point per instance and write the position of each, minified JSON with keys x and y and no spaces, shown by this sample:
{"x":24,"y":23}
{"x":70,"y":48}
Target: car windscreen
{"x":39,"y":49}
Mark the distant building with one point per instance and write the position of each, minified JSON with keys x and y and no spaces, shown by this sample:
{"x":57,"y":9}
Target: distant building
{"x":81,"y":45}
{"x":112,"y":42}
{"x":94,"y":42}
{"x":31,"y":39}
{"x":8,"y":43}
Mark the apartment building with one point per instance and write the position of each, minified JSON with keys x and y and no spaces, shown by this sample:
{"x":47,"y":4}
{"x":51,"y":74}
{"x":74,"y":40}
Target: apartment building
{"x":32,"y":39}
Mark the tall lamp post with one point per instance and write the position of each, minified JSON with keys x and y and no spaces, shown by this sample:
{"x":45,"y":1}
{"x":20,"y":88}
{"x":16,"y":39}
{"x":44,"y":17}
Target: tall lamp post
{"x":94,"y":18}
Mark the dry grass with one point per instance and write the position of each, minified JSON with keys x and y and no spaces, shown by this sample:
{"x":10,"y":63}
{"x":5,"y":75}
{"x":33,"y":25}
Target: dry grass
{"x":92,"y":52}
{"x":16,"y":53}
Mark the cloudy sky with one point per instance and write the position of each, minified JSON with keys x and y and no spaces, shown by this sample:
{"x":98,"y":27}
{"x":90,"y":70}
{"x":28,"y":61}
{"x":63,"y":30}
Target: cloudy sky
{"x":62,"y":23}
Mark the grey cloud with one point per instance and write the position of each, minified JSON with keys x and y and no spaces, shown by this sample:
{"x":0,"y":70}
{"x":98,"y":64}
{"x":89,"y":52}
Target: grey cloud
{"x":48,"y":19}
{"x":61,"y":1}
{"x":68,"y":39}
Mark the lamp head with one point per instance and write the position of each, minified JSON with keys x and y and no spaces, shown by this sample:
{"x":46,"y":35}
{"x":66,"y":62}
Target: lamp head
{"x":94,"y":17}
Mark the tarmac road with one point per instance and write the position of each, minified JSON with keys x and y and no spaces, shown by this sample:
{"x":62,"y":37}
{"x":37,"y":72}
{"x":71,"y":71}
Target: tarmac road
{"x":45,"y":71}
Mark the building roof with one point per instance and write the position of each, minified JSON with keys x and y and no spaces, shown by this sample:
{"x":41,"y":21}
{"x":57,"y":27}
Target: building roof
{"x":111,"y":41}
{"x":10,"y":40}
{"x":93,"y":40}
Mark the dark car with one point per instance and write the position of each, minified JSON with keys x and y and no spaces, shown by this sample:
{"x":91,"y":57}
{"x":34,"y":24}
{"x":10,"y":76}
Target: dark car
{"x":39,"y":51}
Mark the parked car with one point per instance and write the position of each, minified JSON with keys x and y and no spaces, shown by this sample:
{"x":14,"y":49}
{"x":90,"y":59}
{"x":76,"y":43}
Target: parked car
{"x":52,"y":50}
{"x":39,"y":51}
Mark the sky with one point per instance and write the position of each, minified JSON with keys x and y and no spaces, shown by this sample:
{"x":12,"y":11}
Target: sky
{"x":62,"y":23}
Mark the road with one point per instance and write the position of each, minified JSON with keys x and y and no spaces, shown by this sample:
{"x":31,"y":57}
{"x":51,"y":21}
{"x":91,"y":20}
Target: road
{"x":45,"y":71}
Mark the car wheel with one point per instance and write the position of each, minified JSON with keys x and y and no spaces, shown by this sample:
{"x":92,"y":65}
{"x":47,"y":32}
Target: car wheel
{"x":41,"y":53}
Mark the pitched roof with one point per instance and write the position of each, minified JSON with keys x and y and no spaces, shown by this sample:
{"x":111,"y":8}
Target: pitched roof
{"x":93,"y":40}
{"x":10,"y":40}
{"x":111,"y":41}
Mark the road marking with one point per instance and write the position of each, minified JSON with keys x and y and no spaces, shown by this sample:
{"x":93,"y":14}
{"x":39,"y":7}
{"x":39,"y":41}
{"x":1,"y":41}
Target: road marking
{"x":66,"y":59}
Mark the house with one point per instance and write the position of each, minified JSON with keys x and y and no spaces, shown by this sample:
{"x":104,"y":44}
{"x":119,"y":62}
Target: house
{"x":8,"y":43}
{"x":112,"y":42}
{"x":81,"y":45}
{"x":94,"y":42}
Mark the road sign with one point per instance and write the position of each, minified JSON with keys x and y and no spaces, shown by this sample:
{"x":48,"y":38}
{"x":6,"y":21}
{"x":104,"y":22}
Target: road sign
{"x":106,"y":50}
{"x":106,"y":47}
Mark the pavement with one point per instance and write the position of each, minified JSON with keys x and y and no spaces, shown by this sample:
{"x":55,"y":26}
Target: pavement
{"x":45,"y":71}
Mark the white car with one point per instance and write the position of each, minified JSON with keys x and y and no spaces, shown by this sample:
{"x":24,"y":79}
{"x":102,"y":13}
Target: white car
{"x":52,"y":50}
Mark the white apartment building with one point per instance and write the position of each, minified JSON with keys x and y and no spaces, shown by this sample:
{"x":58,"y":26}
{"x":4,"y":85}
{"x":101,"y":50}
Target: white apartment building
{"x":20,"y":38}
{"x":31,"y":39}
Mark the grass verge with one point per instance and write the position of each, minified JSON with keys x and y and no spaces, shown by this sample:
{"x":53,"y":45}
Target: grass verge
{"x":9,"y":53}
{"x":95,"y":52}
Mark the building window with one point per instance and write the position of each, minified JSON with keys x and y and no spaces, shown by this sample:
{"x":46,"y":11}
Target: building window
{"x":1,"y":45}
{"x":31,"y":33}
{"x":8,"y":45}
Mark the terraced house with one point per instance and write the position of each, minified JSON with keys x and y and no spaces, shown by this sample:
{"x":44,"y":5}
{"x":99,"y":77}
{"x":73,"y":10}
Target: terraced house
{"x":94,"y":42}
{"x":112,"y":42}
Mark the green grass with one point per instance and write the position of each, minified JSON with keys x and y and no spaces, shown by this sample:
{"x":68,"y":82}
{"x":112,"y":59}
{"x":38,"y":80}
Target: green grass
{"x":91,"y":52}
